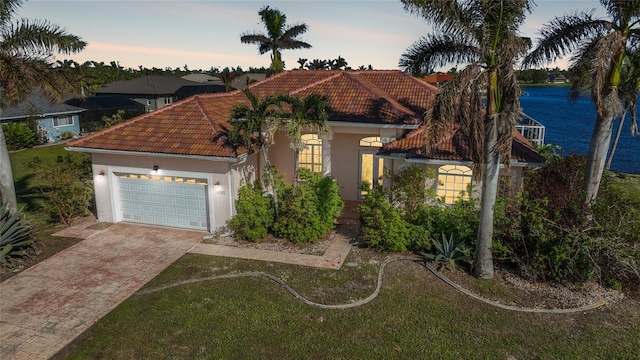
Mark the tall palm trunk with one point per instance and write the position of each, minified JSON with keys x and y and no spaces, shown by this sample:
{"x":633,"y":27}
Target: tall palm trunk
{"x":615,"y":141}
{"x":598,"y":147}
{"x":272,"y":182}
{"x":7,"y":188}
{"x":483,"y":257}
{"x":296,"y":166}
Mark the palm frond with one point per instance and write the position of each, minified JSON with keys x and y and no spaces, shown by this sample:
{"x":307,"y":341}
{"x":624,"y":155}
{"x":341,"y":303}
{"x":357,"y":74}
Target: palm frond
{"x":38,"y":39}
{"x":564,"y":34}
{"x":294,"y":31}
{"x":7,"y":9}
{"x":444,"y":15}
{"x":437,"y":50}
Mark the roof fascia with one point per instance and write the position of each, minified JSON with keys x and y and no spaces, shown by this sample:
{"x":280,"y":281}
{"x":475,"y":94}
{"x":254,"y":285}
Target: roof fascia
{"x":138,"y":153}
{"x":372,"y":125}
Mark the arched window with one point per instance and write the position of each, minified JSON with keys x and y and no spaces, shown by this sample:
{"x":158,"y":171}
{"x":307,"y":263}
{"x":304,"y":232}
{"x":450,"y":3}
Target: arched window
{"x":453,"y":181}
{"x":372,"y":141}
{"x":311,"y":157}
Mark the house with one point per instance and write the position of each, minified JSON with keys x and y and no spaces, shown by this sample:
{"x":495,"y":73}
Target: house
{"x":438,"y":79}
{"x":176,"y":166}
{"x":54,"y":119}
{"x":243,"y":80}
{"x":557,"y":79}
{"x":203,"y":78}
{"x":107,"y":105}
{"x":152,"y":91}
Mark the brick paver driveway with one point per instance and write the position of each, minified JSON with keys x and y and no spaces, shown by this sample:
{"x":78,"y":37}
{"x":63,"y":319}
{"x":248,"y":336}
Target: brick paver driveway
{"x":45,"y":307}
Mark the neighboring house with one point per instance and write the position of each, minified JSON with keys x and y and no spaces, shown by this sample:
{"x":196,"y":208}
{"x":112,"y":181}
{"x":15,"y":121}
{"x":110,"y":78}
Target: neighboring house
{"x":107,"y":105}
{"x":242,"y":81}
{"x":190,"y":90}
{"x":152,"y":91}
{"x":438,"y":79}
{"x":203,"y":78}
{"x":557,"y":79}
{"x":53,"y":118}
{"x":176,"y":167}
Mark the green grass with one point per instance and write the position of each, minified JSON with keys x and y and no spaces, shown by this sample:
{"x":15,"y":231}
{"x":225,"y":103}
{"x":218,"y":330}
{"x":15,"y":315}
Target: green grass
{"x":628,"y":185}
{"x":30,"y":198}
{"x":415,"y":317}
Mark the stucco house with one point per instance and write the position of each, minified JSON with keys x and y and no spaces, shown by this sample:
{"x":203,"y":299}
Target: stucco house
{"x":53,"y":118}
{"x":175,"y":167}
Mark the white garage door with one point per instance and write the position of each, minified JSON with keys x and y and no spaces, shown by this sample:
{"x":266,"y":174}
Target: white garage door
{"x":164,"y":200}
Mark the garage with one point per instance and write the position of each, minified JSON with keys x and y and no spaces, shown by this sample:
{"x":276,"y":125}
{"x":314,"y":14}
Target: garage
{"x":173,"y":201}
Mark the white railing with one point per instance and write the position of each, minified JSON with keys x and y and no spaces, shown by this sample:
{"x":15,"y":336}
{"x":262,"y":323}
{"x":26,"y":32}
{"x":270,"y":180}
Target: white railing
{"x":531,"y":129}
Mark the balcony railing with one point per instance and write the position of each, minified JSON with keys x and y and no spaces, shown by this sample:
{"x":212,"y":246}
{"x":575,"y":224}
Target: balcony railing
{"x":531,"y":129}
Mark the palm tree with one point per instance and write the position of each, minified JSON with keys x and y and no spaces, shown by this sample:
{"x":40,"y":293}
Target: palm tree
{"x":254,"y":127}
{"x":26,"y":48}
{"x":601,"y":46}
{"x":302,"y":61}
{"x":484,"y":97}
{"x":279,"y":36}
{"x":305,"y":114}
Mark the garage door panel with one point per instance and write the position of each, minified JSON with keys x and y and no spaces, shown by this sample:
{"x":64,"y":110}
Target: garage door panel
{"x":164,"y":201}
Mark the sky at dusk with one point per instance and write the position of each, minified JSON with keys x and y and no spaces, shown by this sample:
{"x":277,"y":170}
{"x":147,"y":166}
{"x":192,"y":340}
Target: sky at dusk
{"x":204,"y":34}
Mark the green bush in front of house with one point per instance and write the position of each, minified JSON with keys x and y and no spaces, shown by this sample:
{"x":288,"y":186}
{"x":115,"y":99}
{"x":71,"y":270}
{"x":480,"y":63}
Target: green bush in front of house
{"x":408,"y":214}
{"x":306,"y":212}
{"x":381,"y":225}
{"x":547,"y":234}
{"x":69,"y":186}
{"x":19,"y":136}
{"x":254,"y":213}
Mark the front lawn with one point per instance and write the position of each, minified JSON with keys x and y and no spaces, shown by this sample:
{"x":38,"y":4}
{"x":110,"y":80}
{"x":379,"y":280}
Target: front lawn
{"x":416,"y":316}
{"x":30,"y":198}
{"x":31,"y":203}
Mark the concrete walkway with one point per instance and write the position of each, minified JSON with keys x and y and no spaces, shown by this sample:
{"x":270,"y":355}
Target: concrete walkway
{"x":332,"y":258}
{"x":47,"y":306}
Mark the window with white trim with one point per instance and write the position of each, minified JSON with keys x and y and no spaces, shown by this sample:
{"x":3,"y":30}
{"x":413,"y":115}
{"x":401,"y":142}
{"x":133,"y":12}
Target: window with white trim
{"x":372,"y":141}
{"x":311,"y":157}
{"x":62,"y":120}
{"x":453,"y":181}
{"x":167,"y":100}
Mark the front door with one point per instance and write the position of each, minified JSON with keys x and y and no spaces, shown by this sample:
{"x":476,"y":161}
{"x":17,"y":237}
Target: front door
{"x":370,"y":171}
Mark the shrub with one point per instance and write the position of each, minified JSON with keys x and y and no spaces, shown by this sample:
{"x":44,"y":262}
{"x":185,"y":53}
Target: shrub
{"x":308,"y":211}
{"x":69,"y":186}
{"x":15,"y":236}
{"x":299,"y":220}
{"x":66,"y":135}
{"x":460,"y":219}
{"x":547,"y":234}
{"x":382,"y":227}
{"x":411,"y":187}
{"x":114,"y":119}
{"x":18,"y":136}
{"x":254,"y":213}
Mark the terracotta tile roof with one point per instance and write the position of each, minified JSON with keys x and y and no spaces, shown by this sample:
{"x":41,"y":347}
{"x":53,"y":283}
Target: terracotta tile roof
{"x":198,"y":125}
{"x":452,"y":147}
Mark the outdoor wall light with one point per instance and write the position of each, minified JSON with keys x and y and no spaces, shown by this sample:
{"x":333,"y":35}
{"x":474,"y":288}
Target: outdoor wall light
{"x":155,"y":168}
{"x":101,"y":173}
{"x":216,"y":186}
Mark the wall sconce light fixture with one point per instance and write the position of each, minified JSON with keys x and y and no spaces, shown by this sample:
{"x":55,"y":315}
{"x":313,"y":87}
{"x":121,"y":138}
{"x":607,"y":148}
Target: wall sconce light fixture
{"x":101,"y":173}
{"x":155,"y":168}
{"x":216,"y":186}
